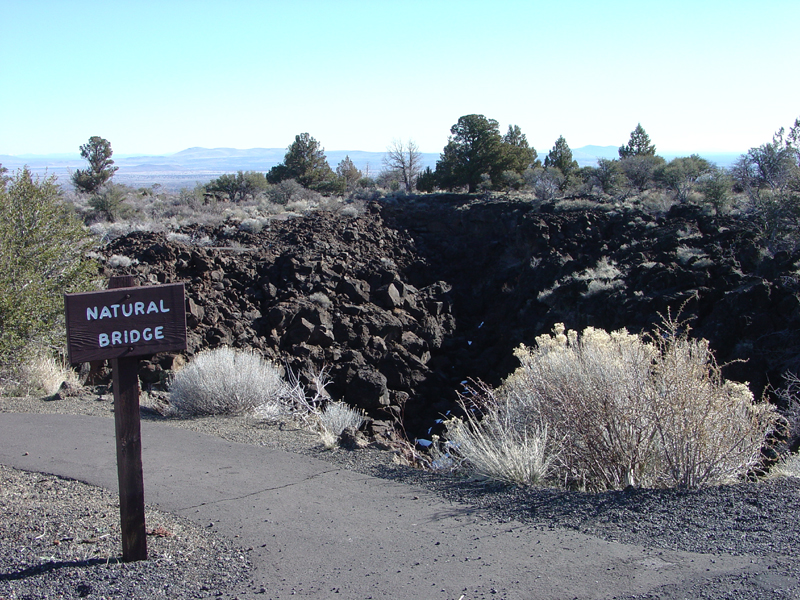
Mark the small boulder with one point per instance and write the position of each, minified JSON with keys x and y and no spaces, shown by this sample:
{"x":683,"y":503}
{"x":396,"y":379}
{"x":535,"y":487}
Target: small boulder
{"x":367,"y":390}
{"x":352,"y":439}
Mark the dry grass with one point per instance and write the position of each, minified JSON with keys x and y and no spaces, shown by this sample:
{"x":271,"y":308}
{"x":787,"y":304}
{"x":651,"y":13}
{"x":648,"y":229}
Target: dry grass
{"x":494,"y":445}
{"x":788,"y":466}
{"x":334,"y":419}
{"x":43,"y":372}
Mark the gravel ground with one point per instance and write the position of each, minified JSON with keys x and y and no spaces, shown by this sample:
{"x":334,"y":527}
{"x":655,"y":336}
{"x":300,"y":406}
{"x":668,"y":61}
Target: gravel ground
{"x":43,"y":555}
{"x":59,"y":538}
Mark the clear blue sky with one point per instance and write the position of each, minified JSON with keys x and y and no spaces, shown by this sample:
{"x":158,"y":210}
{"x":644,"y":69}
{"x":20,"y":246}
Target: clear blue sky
{"x":160,"y":76}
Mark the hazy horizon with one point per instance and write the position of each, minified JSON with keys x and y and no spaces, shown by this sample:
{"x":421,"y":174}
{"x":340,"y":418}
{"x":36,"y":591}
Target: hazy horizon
{"x":76,"y":154}
{"x":190,"y":166}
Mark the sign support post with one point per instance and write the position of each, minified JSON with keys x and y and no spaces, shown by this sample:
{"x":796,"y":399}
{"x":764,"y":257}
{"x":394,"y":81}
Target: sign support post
{"x":128,"y":427}
{"x":129,"y":458}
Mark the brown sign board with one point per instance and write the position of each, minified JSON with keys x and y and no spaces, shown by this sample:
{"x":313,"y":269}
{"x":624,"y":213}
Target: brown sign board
{"x":125,"y":322}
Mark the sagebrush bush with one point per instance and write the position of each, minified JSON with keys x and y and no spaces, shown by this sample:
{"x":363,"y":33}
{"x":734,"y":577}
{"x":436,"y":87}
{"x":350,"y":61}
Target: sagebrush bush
{"x":351,"y":211}
{"x":251,"y":225}
{"x":588,"y":392}
{"x":321,"y":300}
{"x":709,"y":430}
{"x":41,"y":371}
{"x":335,"y":418}
{"x":225,"y":381}
{"x":788,"y":462}
{"x":118,"y":261}
{"x":622,"y":409}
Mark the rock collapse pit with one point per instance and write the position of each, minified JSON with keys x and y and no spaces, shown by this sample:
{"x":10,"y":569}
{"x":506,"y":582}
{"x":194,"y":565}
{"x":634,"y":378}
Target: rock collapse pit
{"x":408,"y":300}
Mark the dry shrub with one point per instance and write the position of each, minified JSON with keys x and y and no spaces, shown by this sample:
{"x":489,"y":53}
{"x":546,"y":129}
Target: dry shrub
{"x":225,"y":381}
{"x":589,"y":393}
{"x":312,"y":405}
{"x":709,"y":430}
{"x":334,"y":419}
{"x":788,"y":463}
{"x":622,"y":409}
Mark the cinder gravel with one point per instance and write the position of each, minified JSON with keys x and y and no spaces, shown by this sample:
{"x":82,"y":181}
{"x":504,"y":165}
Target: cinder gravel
{"x":747,"y":519}
{"x":60,"y":538}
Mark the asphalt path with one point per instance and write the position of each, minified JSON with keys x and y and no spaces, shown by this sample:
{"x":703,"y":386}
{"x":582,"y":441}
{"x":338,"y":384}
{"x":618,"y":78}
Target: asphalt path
{"x":319,"y":531}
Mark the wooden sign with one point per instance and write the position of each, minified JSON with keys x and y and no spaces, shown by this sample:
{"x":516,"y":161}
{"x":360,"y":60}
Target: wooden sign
{"x":125,"y":322}
{"x":121,"y":324}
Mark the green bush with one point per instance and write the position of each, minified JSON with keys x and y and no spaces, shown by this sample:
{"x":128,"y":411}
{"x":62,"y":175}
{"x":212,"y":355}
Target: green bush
{"x":770,"y":178}
{"x":108,"y":202}
{"x":43,"y":249}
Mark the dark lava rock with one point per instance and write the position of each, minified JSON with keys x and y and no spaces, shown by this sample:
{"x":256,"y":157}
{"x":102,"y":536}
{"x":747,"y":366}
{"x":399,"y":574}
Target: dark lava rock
{"x":408,"y":300}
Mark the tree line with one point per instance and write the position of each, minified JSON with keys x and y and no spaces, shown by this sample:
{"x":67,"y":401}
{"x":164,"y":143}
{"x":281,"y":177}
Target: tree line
{"x":477,"y":157}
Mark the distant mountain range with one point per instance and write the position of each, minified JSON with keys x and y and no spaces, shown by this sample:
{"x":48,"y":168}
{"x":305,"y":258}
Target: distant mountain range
{"x":199,"y":165}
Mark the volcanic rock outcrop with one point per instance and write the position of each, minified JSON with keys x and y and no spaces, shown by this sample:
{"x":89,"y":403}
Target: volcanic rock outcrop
{"x":321,"y":291}
{"x":408,"y":300}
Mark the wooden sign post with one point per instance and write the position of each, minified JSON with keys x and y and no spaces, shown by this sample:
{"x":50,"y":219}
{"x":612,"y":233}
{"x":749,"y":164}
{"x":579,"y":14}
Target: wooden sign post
{"x":123,"y":324}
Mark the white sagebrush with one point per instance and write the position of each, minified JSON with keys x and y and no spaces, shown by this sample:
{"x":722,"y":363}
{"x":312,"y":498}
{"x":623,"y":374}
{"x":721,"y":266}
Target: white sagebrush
{"x":252,"y":225}
{"x":179,"y":238}
{"x":42,"y":371}
{"x":338,"y":416}
{"x":120,"y":261}
{"x":225,"y":381}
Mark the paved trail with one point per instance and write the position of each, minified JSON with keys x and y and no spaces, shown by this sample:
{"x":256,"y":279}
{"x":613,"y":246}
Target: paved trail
{"x":319,"y":531}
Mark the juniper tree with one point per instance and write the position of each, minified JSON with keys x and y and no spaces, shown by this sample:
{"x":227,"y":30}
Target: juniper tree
{"x":347,"y":171}
{"x":518,"y":155}
{"x":238,"y":187}
{"x":98,"y":152}
{"x":475,"y":148}
{"x":305,"y":162}
{"x":43,"y":250}
{"x":560,"y":157}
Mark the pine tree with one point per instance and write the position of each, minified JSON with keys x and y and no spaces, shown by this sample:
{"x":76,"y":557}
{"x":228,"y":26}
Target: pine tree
{"x":475,"y":148}
{"x":347,"y":171}
{"x":560,"y":157}
{"x":638,"y":145}
{"x":518,"y":154}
